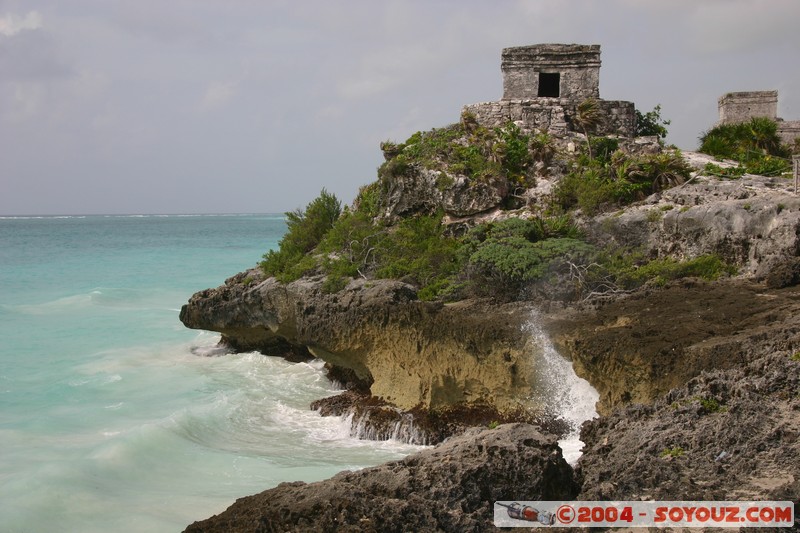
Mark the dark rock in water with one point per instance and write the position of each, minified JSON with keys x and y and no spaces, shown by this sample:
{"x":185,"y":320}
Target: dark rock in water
{"x":725,"y":435}
{"x":374,"y":419}
{"x":449,"y":488}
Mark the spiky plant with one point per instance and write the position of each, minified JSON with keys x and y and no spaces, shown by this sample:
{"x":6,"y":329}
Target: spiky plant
{"x":588,"y":116}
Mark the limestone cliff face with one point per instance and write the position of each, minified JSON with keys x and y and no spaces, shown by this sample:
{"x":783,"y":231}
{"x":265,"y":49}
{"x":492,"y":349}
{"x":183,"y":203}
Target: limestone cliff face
{"x":425,"y":191}
{"x":724,"y":435}
{"x":408,"y":352}
{"x":752,"y":222}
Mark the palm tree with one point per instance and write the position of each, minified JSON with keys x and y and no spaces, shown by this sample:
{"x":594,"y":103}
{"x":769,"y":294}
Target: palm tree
{"x":588,"y":116}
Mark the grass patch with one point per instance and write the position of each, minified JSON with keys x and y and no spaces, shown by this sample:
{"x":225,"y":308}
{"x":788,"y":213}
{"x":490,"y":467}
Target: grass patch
{"x":626,"y":270}
{"x":710,"y":405}
{"x":674,"y":452}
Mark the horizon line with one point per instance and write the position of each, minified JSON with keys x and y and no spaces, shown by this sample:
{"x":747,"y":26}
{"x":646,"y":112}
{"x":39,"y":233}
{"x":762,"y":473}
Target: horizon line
{"x":133,"y":215}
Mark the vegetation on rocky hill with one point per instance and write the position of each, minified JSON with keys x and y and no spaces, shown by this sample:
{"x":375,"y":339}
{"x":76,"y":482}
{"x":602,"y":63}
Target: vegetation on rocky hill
{"x":755,"y":144}
{"x":503,"y":258}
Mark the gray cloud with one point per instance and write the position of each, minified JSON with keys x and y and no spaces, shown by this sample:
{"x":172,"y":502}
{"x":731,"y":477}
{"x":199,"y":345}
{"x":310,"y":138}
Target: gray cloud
{"x":208,"y":106}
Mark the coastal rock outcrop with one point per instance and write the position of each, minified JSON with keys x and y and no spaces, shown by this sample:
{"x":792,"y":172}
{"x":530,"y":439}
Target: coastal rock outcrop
{"x":752,"y":222}
{"x":409,"y":353}
{"x":724,"y":435}
{"x":635,"y":348}
{"x":448,"y":488}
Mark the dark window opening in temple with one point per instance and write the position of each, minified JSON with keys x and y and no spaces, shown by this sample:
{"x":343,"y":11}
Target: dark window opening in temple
{"x":549,"y":84}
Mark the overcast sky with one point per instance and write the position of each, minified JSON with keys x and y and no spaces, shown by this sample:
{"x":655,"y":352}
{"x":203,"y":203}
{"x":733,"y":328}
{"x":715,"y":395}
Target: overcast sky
{"x":223,"y":106}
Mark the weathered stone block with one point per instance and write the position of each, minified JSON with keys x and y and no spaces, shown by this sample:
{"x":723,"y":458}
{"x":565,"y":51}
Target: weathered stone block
{"x":570,"y":71}
{"x":742,"y":106}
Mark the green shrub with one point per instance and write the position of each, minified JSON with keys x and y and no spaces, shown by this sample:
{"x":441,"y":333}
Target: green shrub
{"x":651,"y":123}
{"x":556,"y":226}
{"x":595,"y":185}
{"x":367,"y":201}
{"x":661,"y":171}
{"x":542,"y":147}
{"x":516,"y":157}
{"x":603,"y":148}
{"x":305,"y":229}
{"x":709,"y":267}
{"x":758,"y":136}
{"x":501,"y":258}
{"x":503,"y":267}
{"x":755,"y":144}
{"x":626,"y":270}
{"x":768,"y":166}
{"x":418,"y":251}
{"x":351,"y":240}
{"x":724,"y":172}
{"x":710,"y":405}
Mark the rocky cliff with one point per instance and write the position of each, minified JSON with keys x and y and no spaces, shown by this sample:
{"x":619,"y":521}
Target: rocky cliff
{"x":698,"y":379}
{"x":752,"y":222}
{"x":380,"y":338}
{"x":636,"y":347}
{"x":406,"y":352}
{"x":700,"y":384}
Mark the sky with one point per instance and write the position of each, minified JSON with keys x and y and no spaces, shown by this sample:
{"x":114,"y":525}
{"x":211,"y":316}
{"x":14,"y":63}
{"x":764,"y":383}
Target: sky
{"x":253,"y":106}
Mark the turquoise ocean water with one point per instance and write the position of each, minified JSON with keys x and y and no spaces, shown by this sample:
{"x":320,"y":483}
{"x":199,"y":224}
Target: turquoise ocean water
{"x":111,"y":417}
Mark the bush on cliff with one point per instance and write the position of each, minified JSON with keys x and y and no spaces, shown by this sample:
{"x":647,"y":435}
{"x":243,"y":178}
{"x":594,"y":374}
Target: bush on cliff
{"x":651,"y":123}
{"x":755,"y":144}
{"x":606,"y":182}
{"x":621,"y":269}
{"x":305,"y":230}
{"x":419,"y":251}
{"x":465,"y":149}
{"x":500,"y":259}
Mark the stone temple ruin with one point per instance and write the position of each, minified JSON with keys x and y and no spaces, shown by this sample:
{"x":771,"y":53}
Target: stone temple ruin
{"x":543,"y":84}
{"x":742,"y":106}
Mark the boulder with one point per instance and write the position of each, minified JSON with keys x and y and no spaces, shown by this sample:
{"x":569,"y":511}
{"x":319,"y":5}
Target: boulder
{"x":422,"y":190}
{"x":452,"y":487}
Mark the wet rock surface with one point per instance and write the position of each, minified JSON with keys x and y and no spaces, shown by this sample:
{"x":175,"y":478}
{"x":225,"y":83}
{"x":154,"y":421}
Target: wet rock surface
{"x":373,"y":419}
{"x":448,"y":488}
